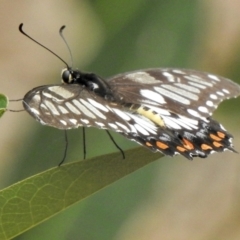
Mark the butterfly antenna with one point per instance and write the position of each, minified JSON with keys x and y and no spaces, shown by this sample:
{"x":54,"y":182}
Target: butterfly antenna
{"x":15,"y":100}
{"x":64,"y":39}
{"x":10,"y":110}
{"x":25,"y":34}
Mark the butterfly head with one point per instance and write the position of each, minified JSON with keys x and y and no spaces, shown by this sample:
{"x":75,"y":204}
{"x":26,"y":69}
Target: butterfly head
{"x":70,"y":76}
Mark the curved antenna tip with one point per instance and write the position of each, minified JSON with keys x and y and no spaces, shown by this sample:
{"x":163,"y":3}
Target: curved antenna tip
{"x":62,"y":28}
{"x":20,"y":27}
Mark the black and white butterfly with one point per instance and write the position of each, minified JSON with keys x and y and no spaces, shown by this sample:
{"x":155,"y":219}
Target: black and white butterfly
{"x":166,"y":110}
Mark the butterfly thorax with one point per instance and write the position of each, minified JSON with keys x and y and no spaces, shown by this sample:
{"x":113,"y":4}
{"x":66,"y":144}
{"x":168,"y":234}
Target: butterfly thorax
{"x":91,"y":81}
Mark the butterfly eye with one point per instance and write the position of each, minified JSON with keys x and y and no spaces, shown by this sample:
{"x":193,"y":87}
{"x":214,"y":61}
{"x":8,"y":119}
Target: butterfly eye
{"x":66,"y":76}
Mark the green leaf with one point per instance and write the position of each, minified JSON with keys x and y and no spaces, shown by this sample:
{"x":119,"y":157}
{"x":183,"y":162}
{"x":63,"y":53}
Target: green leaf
{"x":3,"y":104}
{"x":35,"y":199}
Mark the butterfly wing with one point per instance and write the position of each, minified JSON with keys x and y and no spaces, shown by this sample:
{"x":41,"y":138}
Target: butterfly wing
{"x":186,"y":92}
{"x":69,"y":106}
{"x":180,"y":102}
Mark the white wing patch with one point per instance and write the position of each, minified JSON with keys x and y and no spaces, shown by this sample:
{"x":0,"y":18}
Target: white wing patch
{"x":172,"y":95}
{"x":85,"y":121}
{"x":213,"y":77}
{"x":213,"y":96}
{"x":203,"y":109}
{"x":180,"y":91}
{"x":72,"y":108}
{"x":121,"y":114}
{"x":93,"y":109}
{"x":113,"y":126}
{"x":170,"y":123}
{"x":97,"y":105}
{"x":199,"y":80}
{"x":220,"y":93}
{"x":145,"y":123}
{"x":60,"y":91}
{"x":124,"y":127}
{"x":193,"y":113}
{"x":51,"y":107}
{"x":187,"y":87}
{"x":209,"y":103}
{"x":83,"y":109}
{"x":36,"y":98}
{"x":169,"y":76}
{"x":226,"y":91}
{"x":63,"y":110}
{"x":156,"y":97}
{"x":197,"y":85}
{"x":142,"y":77}
{"x":141,"y":130}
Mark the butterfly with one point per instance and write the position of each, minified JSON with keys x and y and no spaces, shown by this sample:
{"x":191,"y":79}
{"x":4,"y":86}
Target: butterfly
{"x":163,"y":109}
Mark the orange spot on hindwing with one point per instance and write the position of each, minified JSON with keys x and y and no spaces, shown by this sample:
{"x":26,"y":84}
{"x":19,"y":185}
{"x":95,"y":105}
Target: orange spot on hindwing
{"x":187,"y":144}
{"x":214,"y":137}
{"x":205,"y":147}
{"x":216,"y":144}
{"x":181,"y":149}
{"x":149,"y":144}
{"x":221,"y":134}
{"x":162,"y":145}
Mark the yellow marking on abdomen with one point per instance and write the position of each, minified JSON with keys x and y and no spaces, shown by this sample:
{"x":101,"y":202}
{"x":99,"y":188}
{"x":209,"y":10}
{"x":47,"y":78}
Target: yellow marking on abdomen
{"x":151,"y":116}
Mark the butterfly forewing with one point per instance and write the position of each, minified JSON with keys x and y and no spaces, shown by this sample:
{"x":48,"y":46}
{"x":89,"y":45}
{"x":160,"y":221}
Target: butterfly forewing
{"x":166,"y":110}
{"x":71,"y":106}
{"x":185,"y":92}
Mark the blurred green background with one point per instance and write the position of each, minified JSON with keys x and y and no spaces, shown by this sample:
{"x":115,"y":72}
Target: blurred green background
{"x":170,"y":199}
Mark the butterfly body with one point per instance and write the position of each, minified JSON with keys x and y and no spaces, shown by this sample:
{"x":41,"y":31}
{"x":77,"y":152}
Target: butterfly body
{"x":91,"y":81}
{"x":166,"y":110}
